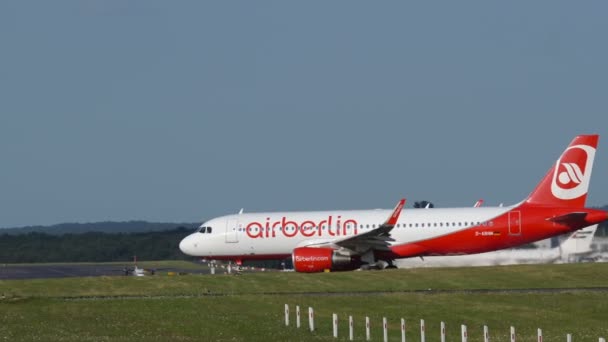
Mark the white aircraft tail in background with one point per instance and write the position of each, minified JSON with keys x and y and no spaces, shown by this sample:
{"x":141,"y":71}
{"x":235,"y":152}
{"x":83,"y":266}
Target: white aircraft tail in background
{"x":578,"y":243}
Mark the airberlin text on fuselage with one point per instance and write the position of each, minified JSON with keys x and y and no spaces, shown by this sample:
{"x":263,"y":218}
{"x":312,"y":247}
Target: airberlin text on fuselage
{"x":305,"y":228}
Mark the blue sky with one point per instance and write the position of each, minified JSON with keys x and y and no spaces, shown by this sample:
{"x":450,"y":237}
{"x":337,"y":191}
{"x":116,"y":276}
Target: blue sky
{"x":182,"y":111}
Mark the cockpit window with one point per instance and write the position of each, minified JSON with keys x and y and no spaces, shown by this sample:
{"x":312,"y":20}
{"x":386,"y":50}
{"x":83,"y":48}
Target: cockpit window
{"x":204,"y":230}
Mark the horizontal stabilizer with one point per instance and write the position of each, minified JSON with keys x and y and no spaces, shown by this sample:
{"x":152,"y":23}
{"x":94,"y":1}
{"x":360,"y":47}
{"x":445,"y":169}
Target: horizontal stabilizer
{"x":569,"y":219}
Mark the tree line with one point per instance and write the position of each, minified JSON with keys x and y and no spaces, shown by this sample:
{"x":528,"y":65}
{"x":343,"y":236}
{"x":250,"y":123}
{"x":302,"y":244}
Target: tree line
{"x":35,"y":247}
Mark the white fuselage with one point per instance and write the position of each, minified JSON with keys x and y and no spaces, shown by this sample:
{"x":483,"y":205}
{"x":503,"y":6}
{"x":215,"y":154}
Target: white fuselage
{"x":278,"y":233}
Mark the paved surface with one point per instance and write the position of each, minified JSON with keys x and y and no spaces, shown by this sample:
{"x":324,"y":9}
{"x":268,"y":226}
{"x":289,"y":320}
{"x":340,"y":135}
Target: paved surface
{"x":61,"y":271}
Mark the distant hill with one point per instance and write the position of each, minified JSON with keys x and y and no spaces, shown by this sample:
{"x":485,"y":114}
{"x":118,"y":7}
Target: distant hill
{"x":102,"y":227}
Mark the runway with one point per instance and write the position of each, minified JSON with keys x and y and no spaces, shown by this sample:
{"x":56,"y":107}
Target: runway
{"x":10,"y":272}
{"x":351,"y":293}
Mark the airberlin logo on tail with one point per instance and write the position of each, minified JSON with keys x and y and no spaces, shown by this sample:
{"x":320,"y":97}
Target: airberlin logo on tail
{"x":572,"y":172}
{"x":572,"y":175}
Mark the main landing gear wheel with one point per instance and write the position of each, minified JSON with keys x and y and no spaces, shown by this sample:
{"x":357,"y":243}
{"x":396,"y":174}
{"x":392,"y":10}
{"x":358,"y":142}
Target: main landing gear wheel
{"x":378,"y":265}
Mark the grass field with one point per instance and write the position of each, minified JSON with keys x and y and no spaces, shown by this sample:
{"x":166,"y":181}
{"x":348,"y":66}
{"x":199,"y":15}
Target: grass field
{"x":250,"y":307}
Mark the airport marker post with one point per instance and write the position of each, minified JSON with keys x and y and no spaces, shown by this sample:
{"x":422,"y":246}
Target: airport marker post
{"x":311,"y":319}
{"x":539,"y":335}
{"x":486,"y":334}
{"x":286,"y":315}
{"x":512,"y":334}
{"x":402,"y":330}
{"x":335,"y":323}
{"x":463,"y":333}
{"x":569,"y":338}
{"x":442,"y":331}
{"x":367,"y":332}
{"x":350,"y":328}
{"x":385,"y":329}
{"x":602,"y":339}
{"x":422,"y":338}
{"x":297,"y":316}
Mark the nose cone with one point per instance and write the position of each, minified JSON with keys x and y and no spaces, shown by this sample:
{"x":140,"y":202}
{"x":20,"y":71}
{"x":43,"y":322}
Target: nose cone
{"x":187,"y":245}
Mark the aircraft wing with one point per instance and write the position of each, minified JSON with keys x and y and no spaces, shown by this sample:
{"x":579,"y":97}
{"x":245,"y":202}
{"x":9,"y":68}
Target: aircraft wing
{"x":377,"y":239}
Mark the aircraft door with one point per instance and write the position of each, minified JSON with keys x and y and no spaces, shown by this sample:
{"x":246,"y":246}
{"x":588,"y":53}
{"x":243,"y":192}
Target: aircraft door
{"x":232,"y":226}
{"x":515,"y":222}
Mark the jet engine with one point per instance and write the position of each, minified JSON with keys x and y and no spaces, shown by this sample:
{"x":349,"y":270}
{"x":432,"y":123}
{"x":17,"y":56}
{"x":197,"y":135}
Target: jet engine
{"x":311,"y":259}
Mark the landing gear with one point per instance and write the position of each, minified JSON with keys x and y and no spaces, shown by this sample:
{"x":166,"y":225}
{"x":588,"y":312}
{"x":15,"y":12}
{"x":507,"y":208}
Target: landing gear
{"x":370,"y":263}
{"x":379,"y":265}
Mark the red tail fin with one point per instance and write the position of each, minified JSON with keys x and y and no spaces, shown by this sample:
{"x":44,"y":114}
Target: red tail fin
{"x":567,"y":182}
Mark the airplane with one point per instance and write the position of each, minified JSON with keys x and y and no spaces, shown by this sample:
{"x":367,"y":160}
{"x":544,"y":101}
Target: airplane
{"x":578,"y":243}
{"x":139,"y":272}
{"x":135,"y":271}
{"x":372,"y":239}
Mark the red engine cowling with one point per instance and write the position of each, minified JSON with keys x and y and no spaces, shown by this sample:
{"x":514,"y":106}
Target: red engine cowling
{"x":311,"y":259}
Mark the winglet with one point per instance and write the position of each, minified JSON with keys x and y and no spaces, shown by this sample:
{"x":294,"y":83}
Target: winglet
{"x":478,"y":204}
{"x":392,"y":220}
